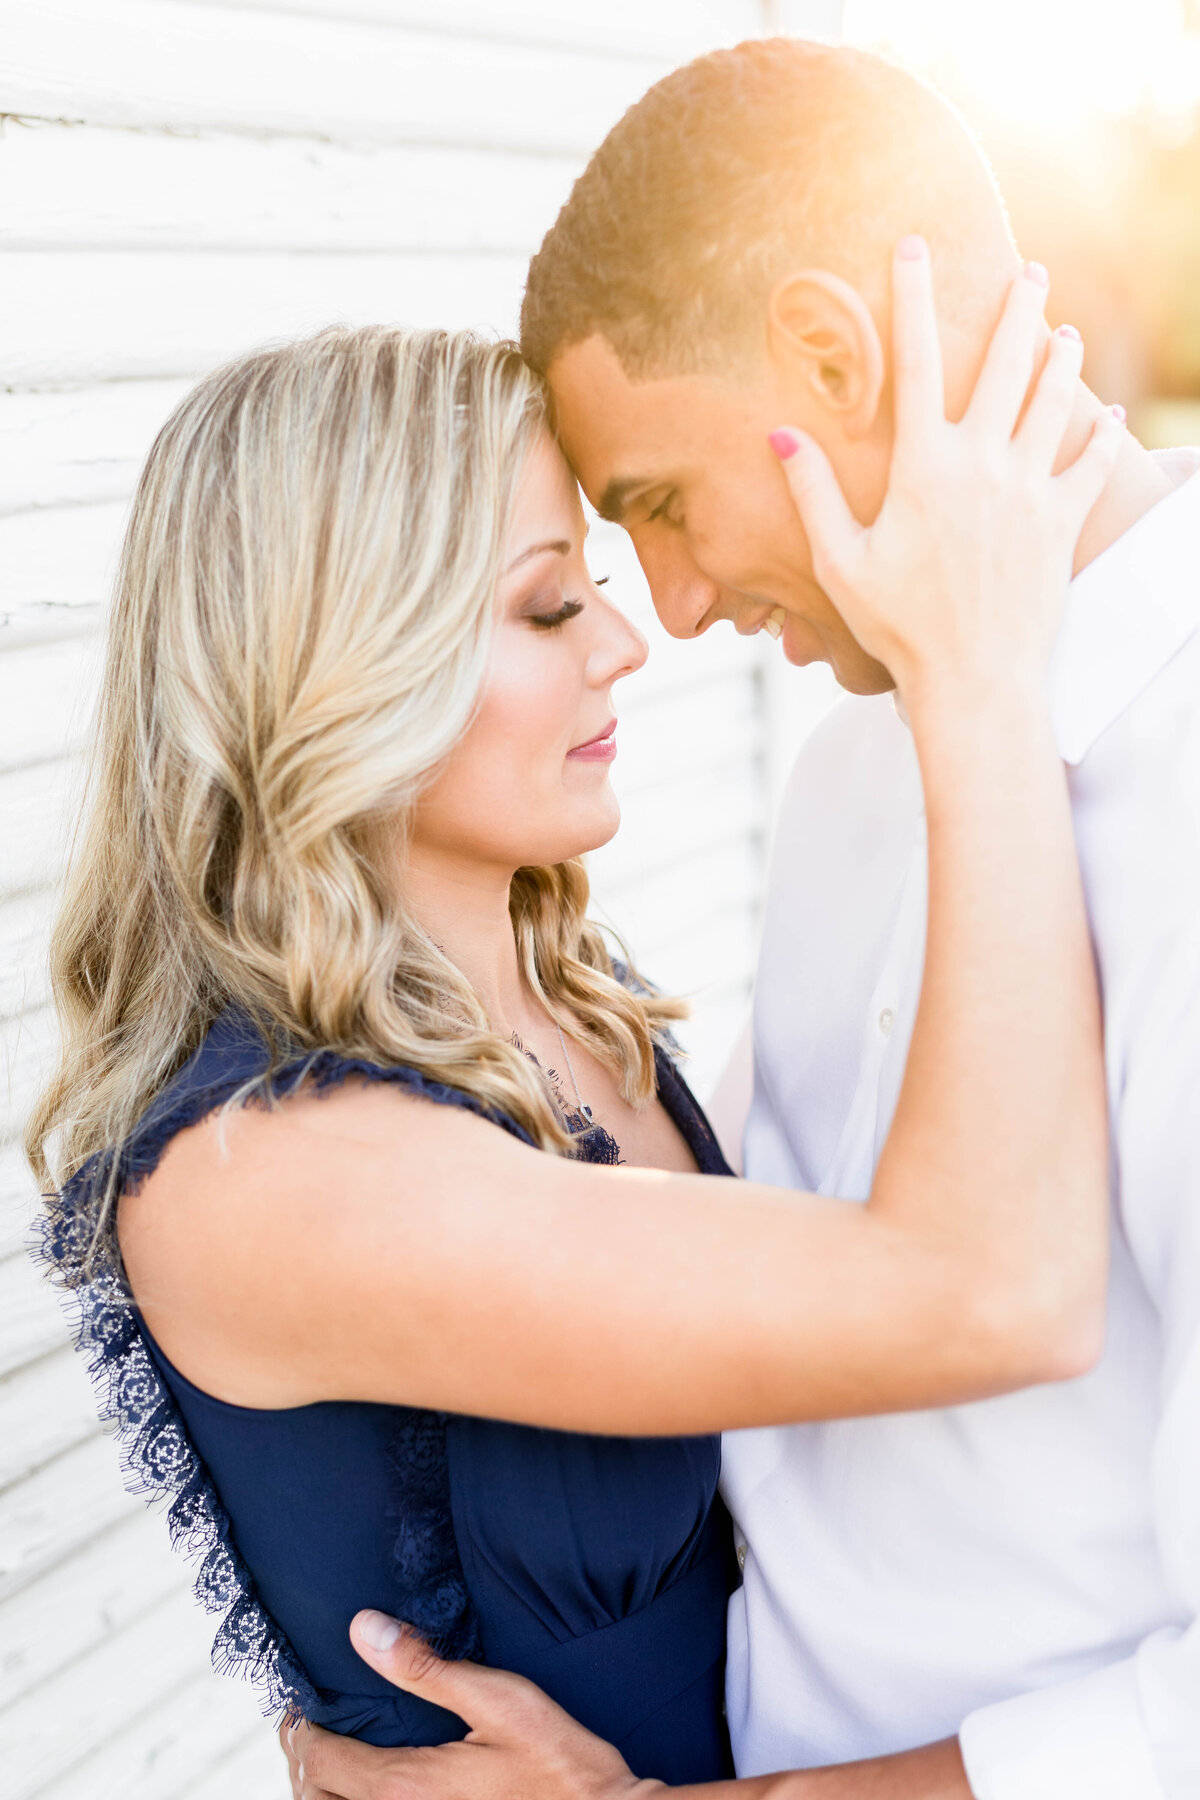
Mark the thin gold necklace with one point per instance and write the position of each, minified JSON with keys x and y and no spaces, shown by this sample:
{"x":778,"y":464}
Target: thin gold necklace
{"x":583,"y":1111}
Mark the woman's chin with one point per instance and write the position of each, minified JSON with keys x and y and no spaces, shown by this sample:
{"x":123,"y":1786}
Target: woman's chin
{"x":585,"y":835}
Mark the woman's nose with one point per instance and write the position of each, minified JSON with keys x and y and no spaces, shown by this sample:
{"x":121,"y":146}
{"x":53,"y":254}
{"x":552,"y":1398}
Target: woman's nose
{"x":625,"y":650}
{"x":621,"y":649}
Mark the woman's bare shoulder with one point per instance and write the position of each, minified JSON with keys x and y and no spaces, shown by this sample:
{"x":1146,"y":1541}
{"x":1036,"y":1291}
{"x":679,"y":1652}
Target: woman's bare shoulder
{"x":228,"y":1241}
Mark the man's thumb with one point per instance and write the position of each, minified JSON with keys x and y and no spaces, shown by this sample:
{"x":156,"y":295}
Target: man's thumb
{"x":397,"y":1653}
{"x":830,"y":526}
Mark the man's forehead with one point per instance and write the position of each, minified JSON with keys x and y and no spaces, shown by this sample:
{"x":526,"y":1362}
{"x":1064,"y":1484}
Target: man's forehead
{"x":617,"y":434}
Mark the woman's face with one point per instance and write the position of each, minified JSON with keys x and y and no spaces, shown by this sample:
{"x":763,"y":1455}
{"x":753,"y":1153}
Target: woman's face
{"x":529,"y":781}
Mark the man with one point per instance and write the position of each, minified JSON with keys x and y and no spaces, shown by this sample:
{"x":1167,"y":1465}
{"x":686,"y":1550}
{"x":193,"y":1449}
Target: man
{"x":1013,"y":1583}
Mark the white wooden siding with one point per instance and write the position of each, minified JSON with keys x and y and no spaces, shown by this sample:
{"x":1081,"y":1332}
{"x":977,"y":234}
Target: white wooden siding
{"x":179,"y":181}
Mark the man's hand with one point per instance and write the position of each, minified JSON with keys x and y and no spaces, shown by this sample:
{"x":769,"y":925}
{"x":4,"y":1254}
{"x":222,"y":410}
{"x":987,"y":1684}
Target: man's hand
{"x":521,"y":1745}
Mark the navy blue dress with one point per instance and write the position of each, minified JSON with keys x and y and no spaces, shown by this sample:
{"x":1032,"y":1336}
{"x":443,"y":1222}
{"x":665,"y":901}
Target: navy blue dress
{"x":599,"y":1567}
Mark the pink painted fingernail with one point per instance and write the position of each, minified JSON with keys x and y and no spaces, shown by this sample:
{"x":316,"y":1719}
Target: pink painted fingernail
{"x":377,"y":1630}
{"x":1069,"y":331}
{"x":1038,"y":272}
{"x":1118,"y":413}
{"x":912,"y":248}
{"x":784,"y":443}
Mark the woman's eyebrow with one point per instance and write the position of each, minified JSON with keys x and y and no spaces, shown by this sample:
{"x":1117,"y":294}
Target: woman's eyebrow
{"x":560,"y":545}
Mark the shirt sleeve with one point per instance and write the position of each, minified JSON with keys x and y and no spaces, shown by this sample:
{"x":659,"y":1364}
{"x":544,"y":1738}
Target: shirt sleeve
{"x":1131,"y":1730}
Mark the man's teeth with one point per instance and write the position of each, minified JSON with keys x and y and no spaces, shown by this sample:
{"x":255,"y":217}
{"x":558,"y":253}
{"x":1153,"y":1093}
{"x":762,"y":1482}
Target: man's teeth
{"x":775,"y":623}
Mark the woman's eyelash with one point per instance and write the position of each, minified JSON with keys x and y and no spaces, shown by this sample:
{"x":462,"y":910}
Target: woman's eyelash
{"x":569,"y":609}
{"x":660,"y":511}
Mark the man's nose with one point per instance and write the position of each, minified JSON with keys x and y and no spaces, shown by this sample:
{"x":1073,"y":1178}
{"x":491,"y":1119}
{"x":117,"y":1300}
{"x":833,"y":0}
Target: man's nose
{"x":682,"y":593}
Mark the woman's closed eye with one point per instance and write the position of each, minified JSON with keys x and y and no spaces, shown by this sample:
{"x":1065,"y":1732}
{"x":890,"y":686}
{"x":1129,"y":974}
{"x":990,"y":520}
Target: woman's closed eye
{"x":552,"y":621}
{"x":569,"y":609}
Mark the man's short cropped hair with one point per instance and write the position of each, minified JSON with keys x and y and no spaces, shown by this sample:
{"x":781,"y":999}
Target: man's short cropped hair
{"x":742,"y":167}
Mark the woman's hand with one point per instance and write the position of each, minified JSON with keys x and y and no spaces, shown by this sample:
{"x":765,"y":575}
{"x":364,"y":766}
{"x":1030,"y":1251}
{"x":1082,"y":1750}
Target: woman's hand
{"x":961,"y":578}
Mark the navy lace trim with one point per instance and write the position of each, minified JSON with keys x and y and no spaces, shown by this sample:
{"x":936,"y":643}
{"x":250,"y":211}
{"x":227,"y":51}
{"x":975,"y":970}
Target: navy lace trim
{"x":158,"y":1458}
{"x":425,"y":1550}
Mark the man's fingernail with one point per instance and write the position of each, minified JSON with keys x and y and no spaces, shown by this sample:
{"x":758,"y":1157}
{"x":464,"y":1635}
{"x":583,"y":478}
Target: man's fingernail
{"x":911,"y":248}
{"x":1038,"y":272}
{"x":784,"y":443}
{"x":1069,"y":331}
{"x":377,"y":1630}
{"x":1118,"y":413}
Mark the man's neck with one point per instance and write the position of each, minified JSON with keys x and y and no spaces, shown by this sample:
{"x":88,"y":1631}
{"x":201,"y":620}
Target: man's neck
{"x":1135,"y":485}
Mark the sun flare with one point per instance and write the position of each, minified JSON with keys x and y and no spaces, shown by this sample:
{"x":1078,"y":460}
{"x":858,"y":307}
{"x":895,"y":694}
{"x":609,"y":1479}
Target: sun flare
{"x":1046,"y":64}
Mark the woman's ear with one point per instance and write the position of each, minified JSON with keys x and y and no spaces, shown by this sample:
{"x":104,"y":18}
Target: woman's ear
{"x":822,"y":335}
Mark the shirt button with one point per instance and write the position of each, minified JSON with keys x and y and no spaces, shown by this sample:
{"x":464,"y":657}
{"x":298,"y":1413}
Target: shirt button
{"x":887,"y":1019}
{"x":741,"y":1556}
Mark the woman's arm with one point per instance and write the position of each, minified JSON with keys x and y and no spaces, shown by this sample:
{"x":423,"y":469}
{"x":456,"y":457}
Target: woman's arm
{"x":370,"y":1245}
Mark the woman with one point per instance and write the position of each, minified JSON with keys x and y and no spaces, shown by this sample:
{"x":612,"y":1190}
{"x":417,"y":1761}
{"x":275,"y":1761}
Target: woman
{"x":393,"y":1335}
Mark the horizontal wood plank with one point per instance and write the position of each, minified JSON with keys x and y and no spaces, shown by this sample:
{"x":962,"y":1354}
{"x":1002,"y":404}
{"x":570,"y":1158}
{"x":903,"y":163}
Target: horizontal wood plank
{"x":45,"y":1410}
{"x":160,"y":1756}
{"x":32,"y":1321}
{"x":46,"y":623}
{"x":625,"y":28}
{"x":24,"y":936}
{"x":47,"y":692}
{"x":36,"y":811}
{"x":188,"y":66}
{"x":87,"y":1599}
{"x":256,"y":1771}
{"x":58,"y":556}
{"x":18,"y":1200}
{"x":69,"y":318}
{"x":71,"y":187}
{"x":50,"y":1729}
{"x":28,"y":1045}
{"x":78,"y":448}
{"x":61,"y":1507}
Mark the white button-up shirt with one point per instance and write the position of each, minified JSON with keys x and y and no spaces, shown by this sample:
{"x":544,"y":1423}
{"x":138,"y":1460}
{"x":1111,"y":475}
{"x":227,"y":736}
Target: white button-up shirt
{"x":1023,"y":1571}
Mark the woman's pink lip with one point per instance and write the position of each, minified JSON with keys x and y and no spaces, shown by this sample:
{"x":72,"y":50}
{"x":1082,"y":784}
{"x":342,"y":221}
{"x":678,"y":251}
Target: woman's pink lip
{"x":601,"y":748}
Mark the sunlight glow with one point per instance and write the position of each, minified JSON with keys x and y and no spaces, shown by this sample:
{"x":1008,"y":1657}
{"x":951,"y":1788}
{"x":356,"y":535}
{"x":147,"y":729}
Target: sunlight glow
{"x":1046,"y":64}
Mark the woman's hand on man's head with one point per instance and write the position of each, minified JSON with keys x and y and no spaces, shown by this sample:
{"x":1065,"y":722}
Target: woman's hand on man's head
{"x":962,"y":575}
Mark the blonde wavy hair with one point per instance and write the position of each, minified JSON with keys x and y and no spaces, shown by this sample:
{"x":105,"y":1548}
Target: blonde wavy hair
{"x":297,"y":640}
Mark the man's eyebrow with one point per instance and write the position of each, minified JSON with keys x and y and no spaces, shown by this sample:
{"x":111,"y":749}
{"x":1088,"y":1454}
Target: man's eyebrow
{"x":560,"y":545}
{"x":615,"y":498}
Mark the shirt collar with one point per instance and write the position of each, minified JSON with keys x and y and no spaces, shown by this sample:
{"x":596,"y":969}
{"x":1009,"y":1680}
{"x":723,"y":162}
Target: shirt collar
{"x":1127,"y":613}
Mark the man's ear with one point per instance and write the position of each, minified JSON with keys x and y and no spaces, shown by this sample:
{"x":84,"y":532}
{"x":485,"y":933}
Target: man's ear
{"x":822,"y":336}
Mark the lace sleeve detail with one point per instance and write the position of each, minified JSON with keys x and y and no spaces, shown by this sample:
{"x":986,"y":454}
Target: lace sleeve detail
{"x":158,"y":1457}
